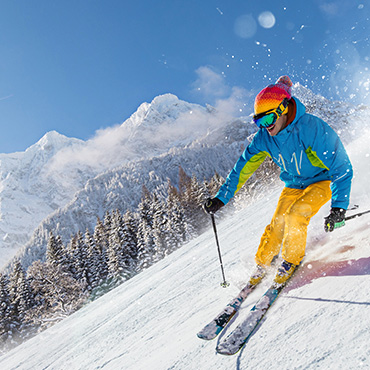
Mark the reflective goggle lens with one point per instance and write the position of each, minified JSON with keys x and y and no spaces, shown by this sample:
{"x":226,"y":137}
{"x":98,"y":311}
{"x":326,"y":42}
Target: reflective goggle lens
{"x":267,"y":120}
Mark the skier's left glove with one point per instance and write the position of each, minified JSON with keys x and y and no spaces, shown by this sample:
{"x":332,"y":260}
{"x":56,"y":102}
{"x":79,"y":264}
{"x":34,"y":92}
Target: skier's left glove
{"x":212,"y":205}
{"x":335,"y":219}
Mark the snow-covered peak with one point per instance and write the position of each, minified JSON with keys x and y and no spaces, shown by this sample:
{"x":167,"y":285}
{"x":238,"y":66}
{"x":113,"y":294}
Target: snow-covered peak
{"x":165,"y":101}
{"x":167,"y":107}
{"x":51,"y":142}
{"x":54,"y":139}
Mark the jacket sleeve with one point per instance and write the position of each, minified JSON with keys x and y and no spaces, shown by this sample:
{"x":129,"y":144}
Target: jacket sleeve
{"x":330,"y":151}
{"x":244,"y":168}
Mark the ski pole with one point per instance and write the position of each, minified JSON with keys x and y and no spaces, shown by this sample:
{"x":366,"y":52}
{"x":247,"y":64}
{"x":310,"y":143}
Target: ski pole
{"x":356,"y":215}
{"x":224,"y":284}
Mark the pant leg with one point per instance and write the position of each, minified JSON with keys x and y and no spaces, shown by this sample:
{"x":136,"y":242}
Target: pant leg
{"x":297,"y":218}
{"x":274,"y":232}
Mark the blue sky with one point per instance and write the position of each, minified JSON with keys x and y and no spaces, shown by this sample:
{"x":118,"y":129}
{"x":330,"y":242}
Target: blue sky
{"x":76,"y":66}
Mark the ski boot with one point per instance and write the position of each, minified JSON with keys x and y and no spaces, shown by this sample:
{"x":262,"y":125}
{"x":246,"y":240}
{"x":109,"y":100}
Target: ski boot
{"x":284,"y":272}
{"x":258,"y":275}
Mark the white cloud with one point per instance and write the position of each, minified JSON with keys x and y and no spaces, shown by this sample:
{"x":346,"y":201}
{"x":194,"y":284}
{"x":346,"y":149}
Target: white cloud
{"x":212,"y":87}
{"x":210,"y":84}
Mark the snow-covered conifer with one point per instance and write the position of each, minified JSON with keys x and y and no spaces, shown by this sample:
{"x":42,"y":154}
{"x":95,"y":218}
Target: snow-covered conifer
{"x":21,"y":300}
{"x":129,"y":244}
{"x":55,"y":253}
{"x":5,"y":311}
{"x":101,"y":245}
{"x":160,"y":228}
{"x":145,"y":239}
{"x":179,"y":228}
{"x":57,"y":293}
{"x":115,"y":248}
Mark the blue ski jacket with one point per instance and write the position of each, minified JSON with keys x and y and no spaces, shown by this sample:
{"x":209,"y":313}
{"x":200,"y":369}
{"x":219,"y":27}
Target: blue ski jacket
{"x":307,"y":151}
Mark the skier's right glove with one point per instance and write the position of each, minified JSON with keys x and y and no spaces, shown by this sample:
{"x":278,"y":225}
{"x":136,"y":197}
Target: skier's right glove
{"x":212,"y":205}
{"x":335,"y":219}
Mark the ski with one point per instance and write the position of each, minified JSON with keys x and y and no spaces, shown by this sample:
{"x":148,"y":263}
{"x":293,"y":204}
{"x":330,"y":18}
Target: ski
{"x":211,"y":330}
{"x":238,"y":337}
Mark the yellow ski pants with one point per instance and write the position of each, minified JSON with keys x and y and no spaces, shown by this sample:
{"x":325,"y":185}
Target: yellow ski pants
{"x":289,"y":223}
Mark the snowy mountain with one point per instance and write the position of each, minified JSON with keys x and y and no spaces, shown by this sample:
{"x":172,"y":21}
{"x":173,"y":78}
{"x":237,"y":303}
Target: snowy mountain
{"x":320,"y":321}
{"x":28,"y":192}
{"x":108,"y":171}
{"x":50,"y":174}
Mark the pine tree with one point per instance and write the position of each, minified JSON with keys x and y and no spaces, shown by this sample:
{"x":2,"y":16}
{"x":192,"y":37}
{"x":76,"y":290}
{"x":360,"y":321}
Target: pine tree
{"x":145,"y":241}
{"x":101,"y":245}
{"x":107,"y":224}
{"x":214,"y":184}
{"x":129,"y":245}
{"x":21,"y":300}
{"x":192,"y":198}
{"x":92,"y":261}
{"x":78,"y":257}
{"x":160,"y":228}
{"x":115,"y":248}
{"x":55,"y":253}
{"x":179,"y":229}
{"x":5,"y":311}
{"x":196,"y":195}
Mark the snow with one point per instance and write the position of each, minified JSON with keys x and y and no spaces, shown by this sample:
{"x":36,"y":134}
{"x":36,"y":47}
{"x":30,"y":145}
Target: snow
{"x":320,"y":321}
{"x":47,"y":176}
{"x":28,"y":194}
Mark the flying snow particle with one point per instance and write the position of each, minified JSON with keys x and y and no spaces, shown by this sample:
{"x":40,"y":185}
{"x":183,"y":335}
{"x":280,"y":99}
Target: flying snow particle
{"x":266,"y":20}
{"x":245,"y":26}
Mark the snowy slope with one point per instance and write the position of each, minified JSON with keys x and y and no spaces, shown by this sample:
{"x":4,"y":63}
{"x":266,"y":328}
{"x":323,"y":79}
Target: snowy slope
{"x":320,"y":321}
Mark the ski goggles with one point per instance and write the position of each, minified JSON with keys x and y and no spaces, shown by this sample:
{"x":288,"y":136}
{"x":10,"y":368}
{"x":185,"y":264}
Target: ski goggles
{"x":268,"y":118}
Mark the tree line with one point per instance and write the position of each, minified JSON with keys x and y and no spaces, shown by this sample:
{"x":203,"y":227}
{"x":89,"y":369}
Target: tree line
{"x":93,"y":262}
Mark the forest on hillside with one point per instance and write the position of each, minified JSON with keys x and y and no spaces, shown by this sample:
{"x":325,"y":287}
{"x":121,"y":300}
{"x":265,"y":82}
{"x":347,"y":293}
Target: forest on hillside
{"x":121,"y":245}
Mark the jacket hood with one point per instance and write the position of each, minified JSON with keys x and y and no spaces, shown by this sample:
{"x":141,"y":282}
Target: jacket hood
{"x":300,"y":110}
{"x":284,"y":134}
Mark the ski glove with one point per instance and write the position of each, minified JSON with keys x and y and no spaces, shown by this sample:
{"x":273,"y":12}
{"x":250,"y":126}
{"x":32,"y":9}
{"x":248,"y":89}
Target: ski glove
{"x":335,"y":219}
{"x":212,"y":205}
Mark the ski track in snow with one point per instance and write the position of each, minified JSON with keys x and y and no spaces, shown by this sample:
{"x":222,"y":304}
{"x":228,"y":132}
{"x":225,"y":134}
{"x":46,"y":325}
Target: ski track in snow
{"x":320,"y":321}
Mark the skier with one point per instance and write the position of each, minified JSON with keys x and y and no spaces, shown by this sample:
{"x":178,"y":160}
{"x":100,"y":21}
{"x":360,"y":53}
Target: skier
{"x":314,"y":166}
